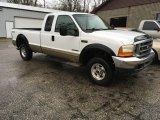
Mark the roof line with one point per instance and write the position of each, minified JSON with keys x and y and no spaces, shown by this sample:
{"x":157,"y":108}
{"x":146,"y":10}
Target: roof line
{"x":109,"y":7}
{"x":100,"y":6}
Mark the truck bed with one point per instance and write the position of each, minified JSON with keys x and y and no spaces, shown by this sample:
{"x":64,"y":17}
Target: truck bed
{"x":31,"y":34}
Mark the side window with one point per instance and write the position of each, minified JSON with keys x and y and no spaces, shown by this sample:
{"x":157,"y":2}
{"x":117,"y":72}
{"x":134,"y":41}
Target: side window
{"x":150,"y":26}
{"x":65,"y":20}
{"x":48,"y":24}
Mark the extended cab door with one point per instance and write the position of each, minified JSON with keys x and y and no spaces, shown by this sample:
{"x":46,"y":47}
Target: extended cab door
{"x":47,"y":35}
{"x":152,"y":28}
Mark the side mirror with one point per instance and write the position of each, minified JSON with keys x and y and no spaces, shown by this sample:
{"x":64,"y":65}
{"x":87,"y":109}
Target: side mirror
{"x":63,"y":30}
{"x":76,"y":32}
{"x":157,"y":29}
{"x":112,"y":26}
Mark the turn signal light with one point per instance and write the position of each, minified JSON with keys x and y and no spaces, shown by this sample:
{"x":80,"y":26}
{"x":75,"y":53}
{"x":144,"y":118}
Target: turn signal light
{"x":126,"y":51}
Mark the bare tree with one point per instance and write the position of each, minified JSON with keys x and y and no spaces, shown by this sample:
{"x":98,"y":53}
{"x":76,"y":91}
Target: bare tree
{"x":35,"y":3}
{"x":75,"y":5}
{"x":66,"y":5}
{"x":86,"y":5}
{"x":70,"y":5}
{"x":44,"y":3}
{"x":98,"y":2}
{"x":23,"y":2}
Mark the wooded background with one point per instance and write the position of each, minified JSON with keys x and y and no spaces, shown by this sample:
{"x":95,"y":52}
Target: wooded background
{"x":65,"y":5}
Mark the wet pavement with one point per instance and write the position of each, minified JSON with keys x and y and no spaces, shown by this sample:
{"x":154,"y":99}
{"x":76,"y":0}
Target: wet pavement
{"x":43,"y":89}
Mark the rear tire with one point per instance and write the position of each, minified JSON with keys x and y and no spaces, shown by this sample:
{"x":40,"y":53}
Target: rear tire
{"x":25,"y":52}
{"x":100,"y":71}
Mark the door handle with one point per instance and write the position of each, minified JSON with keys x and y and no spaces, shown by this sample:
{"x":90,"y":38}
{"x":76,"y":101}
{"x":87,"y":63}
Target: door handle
{"x":84,"y":41}
{"x":52,"y":38}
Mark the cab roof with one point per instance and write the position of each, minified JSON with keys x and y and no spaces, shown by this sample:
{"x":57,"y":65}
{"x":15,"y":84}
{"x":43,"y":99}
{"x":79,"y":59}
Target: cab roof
{"x":66,"y":13}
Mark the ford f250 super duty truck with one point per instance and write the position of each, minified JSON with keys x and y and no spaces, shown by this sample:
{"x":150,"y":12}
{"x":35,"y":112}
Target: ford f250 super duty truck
{"x":85,"y":39}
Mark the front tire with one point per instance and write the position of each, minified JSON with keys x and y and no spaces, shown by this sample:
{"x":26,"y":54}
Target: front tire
{"x":100,"y":71}
{"x":25,"y":52}
{"x":156,"y":60}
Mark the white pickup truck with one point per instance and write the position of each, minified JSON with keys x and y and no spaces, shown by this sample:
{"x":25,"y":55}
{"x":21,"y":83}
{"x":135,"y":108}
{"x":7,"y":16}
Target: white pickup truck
{"x":85,"y":39}
{"x":152,"y":28}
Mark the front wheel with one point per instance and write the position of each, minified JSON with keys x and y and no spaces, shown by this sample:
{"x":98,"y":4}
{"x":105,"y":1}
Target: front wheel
{"x":156,"y":60}
{"x":25,"y":52}
{"x":100,"y":71}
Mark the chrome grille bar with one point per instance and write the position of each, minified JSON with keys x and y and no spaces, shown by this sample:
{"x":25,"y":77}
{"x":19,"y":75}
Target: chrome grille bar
{"x":143,"y":47}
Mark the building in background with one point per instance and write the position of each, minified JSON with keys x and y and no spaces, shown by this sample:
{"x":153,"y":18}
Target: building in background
{"x":128,"y":13}
{"x":20,"y":16}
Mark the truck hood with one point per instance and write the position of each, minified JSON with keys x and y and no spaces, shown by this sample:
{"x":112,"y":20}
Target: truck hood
{"x":124,"y":36}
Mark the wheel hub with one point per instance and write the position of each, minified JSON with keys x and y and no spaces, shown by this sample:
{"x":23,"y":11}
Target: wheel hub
{"x":98,"y":71}
{"x":23,"y":52}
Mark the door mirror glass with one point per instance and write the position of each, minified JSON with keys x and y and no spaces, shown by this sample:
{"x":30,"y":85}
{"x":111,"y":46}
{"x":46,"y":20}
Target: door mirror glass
{"x":112,"y":26}
{"x":63,"y":30}
{"x":157,"y":29}
{"x":76,"y":32}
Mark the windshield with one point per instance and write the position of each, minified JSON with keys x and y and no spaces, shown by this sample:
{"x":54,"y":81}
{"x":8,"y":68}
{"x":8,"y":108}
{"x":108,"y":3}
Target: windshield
{"x":90,"y":23}
{"x":159,"y":22}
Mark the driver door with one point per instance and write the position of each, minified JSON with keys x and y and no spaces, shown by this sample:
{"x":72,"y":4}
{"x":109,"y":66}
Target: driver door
{"x":68,"y":46}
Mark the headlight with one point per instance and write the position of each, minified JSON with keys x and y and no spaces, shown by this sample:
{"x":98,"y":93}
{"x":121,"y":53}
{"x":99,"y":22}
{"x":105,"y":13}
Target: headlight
{"x":126,"y":51}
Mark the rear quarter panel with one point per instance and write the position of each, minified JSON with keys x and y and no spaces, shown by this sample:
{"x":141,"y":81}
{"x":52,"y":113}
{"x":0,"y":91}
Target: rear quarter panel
{"x":33,"y":37}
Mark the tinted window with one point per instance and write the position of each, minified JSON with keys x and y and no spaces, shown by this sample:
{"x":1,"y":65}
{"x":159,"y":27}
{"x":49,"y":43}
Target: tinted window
{"x":64,"y":20}
{"x":118,"y":22}
{"x":89,"y":23}
{"x":150,"y":26}
{"x":49,"y":22}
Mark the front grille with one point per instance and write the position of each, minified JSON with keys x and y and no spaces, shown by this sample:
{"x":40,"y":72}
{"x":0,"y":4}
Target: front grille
{"x":143,"y":47}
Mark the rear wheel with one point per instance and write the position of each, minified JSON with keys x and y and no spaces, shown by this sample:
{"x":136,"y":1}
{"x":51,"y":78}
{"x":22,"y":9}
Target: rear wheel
{"x":100,"y":71}
{"x":25,"y":52}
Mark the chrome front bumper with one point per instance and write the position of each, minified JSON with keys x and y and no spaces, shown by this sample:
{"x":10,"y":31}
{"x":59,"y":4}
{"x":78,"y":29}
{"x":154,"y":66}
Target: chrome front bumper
{"x":132,"y":63}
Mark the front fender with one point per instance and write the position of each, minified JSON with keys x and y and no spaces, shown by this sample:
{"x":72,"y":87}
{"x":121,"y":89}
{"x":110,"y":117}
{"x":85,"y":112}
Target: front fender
{"x":91,"y":47}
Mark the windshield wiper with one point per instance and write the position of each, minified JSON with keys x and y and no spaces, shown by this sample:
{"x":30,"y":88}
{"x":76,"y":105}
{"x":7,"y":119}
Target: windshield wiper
{"x":96,"y":29}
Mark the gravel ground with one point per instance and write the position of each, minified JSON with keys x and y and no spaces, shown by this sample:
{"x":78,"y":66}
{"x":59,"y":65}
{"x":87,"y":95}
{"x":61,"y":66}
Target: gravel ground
{"x":43,"y":89}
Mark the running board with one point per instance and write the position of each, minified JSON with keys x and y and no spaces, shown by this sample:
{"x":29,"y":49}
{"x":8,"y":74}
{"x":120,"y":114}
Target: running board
{"x":63,"y":61}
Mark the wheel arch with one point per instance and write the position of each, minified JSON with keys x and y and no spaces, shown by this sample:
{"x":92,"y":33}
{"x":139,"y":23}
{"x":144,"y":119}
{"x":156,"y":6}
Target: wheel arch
{"x":21,"y":39}
{"x":156,"y":55}
{"x":89,"y":51}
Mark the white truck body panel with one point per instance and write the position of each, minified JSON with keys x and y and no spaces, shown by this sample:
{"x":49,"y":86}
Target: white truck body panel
{"x":114,"y":39}
{"x":32,"y":36}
